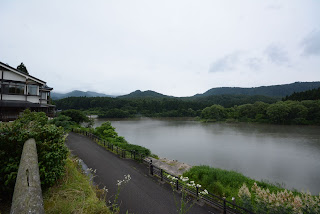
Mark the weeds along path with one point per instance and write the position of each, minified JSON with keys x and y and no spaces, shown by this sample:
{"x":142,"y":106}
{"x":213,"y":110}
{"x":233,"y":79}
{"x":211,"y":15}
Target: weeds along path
{"x":143,"y":194}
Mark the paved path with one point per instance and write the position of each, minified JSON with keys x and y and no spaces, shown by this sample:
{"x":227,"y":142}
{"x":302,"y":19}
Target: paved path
{"x":143,"y":194}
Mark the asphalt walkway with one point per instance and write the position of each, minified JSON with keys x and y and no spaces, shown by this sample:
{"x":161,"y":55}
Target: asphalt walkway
{"x":143,"y":194}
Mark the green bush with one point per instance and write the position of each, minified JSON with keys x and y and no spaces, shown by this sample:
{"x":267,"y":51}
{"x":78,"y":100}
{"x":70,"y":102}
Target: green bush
{"x":52,"y":152}
{"x":63,"y":121}
{"x":75,"y":115}
{"x":107,"y":132}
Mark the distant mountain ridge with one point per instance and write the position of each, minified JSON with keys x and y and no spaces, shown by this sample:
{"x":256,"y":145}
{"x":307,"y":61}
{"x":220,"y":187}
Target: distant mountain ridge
{"x":271,"y":91}
{"x":144,"y":94}
{"x":277,"y":91}
{"x":77,"y":93}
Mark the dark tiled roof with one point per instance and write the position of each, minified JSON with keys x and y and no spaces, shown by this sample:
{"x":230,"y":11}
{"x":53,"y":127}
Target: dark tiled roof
{"x":46,"y":88}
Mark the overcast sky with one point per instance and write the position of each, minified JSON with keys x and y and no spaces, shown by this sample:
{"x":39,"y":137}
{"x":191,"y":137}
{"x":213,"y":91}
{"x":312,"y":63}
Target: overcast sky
{"x":174,"y":47}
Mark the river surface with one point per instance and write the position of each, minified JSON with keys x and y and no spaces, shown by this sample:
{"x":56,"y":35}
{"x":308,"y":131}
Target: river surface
{"x":288,"y":155}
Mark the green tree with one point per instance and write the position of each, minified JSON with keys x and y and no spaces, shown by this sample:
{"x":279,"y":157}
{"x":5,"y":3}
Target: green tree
{"x":22,"y":68}
{"x":298,"y":112}
{"x":76,"y":115}
{"x":63,"y":121}
{"x":216,"y":112}
{"x":278,"y":113}
{"x":246,"y":111}
{"x":313,"y":107}
{"x":260,"y":109}
{"x":51,"y":150}
{"x":106,"y":130}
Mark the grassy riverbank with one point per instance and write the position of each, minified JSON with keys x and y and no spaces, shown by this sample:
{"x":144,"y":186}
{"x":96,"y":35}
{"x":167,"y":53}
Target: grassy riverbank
{"x":223,"y":182}
{"x":74,"y":193}
{"x":259,"y":197}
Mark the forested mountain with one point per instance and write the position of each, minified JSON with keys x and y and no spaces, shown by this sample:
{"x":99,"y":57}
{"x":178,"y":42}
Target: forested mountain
{"x":144,"y":94}
{"x":313,"y":94}
{"x":76,"y":93}
{"x":278,"y":91}
{"x":272,"y":91}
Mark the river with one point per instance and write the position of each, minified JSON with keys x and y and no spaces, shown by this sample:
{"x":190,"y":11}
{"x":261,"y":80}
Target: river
{"x":288,"y":155}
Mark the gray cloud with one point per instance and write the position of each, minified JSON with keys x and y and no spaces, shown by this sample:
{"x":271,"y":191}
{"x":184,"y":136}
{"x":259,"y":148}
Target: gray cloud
{"x":311,"y":44}
{"x":276,"y":54}
{"x":254,"y":63}
{"x":225,"y":63}
{"x":129,"y":45}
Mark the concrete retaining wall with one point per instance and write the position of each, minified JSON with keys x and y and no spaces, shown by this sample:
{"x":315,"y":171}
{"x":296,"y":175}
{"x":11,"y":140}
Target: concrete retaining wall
{"x":27,"y":196}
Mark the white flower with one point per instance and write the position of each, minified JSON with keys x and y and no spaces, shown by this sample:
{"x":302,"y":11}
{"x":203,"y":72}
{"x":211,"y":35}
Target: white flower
{"x":105,"y":189}
{"x":204,"y":192}
{"x":119,"y":182}
{"x":127,"y":177}
{"x":184,"y":179}
{"x":198,"y":185}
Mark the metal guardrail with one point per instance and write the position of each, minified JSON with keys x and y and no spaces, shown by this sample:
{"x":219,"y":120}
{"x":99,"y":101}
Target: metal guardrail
{"x":122,"y":153}
{"x":27,"y":196}
{"x":211,"y":199}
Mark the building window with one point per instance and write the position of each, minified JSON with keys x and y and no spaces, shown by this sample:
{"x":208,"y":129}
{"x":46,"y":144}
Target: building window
{"x":44,"y":95}
{"x":32,"y":90}
{"x":12,"y":88}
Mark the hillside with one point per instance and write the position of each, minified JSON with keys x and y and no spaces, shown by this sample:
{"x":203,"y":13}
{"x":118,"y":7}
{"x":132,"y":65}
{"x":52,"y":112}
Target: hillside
{"x":272,"y":91}
{"x":313,"y":94}
{"x":275,"y":91}
{"x":77,"y":93}
{"x":143,"y":94}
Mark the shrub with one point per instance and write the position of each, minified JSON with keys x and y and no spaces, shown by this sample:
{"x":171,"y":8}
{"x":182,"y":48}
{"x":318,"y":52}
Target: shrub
{"x":107,"y":132}
{"x":76,"y":115}
{"x":63,"y":121}
{"x":50,"y":147}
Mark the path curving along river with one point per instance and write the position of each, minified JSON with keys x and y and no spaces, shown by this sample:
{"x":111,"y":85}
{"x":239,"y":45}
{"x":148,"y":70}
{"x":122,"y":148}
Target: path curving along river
{"x":289,"y":155}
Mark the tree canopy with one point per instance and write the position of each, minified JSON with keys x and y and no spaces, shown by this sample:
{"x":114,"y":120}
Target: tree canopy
{"x":313,"y":94}
{"x":22,"y":68}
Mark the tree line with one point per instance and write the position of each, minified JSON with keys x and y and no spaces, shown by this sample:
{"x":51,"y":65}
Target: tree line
{"x":243,"y":108}
{"x":153,"y":107}
{"x":282,"y":112}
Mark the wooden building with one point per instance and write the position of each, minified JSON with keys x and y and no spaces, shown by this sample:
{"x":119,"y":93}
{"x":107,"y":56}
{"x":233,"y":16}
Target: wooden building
{"x":20,"y":91}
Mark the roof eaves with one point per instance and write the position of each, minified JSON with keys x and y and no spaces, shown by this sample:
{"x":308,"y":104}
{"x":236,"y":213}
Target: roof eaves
{"x":21,"y":73}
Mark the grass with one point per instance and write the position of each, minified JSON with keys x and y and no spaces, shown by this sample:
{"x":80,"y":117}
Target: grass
{"x":74,"y":193}
{"x":224,"y":183}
